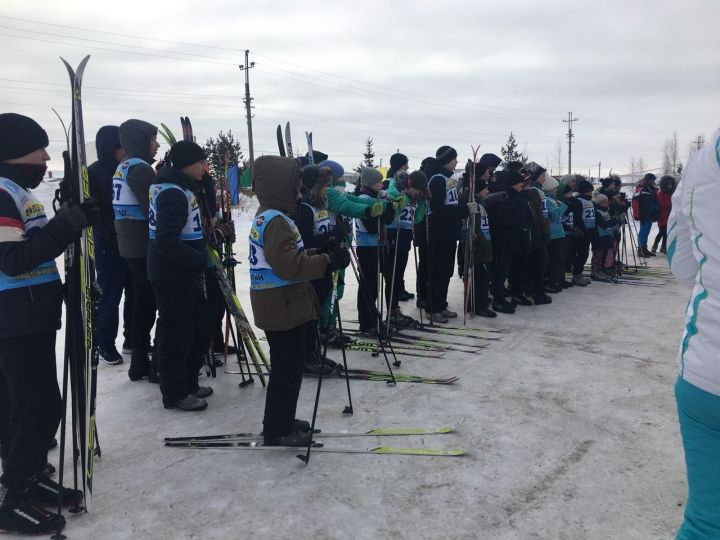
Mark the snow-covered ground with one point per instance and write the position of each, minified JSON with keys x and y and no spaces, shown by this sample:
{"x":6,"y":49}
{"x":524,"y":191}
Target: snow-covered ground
{"x":571,"y":418}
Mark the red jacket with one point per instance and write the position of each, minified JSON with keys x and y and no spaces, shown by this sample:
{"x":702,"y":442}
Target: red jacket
{"x":665,"y":203}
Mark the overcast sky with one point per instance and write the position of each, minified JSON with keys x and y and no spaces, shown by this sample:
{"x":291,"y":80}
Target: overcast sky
{"x":412,"y":75}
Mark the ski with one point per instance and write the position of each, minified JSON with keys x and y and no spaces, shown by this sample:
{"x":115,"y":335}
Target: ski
{"x":281,"y":144}
{"x":166,"y":134}
{"x":187,"y":129}
{"x":451,"y":330}
{"x":428,"y":342}
{"x":369,"y":375}
{"x":318,"y":447}
{"x":373,"y":348}
{"x":404,"y":347}
{"x":82,"y":293}
{"x":288,"y":140}
{"x":308,"y":137}
{"x":374,"y":432}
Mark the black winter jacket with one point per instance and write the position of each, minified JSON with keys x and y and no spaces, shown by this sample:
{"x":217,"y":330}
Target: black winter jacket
{"x":36,"y":309}
{"x":445,"y":220}
{"x":505,"y":223}
{"x":169,"y":258}
{"x":100,"y":175}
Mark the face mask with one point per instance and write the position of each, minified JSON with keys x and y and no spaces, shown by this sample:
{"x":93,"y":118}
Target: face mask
{"x":29,"y":176}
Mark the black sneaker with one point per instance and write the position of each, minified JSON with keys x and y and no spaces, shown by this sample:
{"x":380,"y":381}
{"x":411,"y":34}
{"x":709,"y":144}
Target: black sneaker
{"x":46,"y":491}
{"x":404,"y":296}
{"x":485,"y":312}
{"x":296,"y":438}
{"x":543,"y":299}
{"x":110,"y":355}
{"x":18,"y":514}
{"x":503,"y":307}
{"x":303,"y":426}
{"x":314,"y":366}
{"x":127,"y":347}
{"x":521,"y":301}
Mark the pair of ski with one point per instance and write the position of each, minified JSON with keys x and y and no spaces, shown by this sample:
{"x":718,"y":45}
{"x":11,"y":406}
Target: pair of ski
{"x":425,"y":343}
{"x":476,"y":334}
{"x":381,"y":376}
{"x":81,"y":299}
{"x":253,"y":441}
{"x":285,"y":147}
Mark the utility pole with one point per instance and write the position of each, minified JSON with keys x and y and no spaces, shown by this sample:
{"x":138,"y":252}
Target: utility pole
{"x":699,"y":142}
{"x":570,"y":136}
{"x":248,"y":107}
{"x":599,"y":163}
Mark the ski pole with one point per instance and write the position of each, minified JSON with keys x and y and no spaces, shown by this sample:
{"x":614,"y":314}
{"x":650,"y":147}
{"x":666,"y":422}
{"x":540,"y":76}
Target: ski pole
{"x":391,"y":301}
{"x":63,"y":424}
{"x":362,"y":284}
{"x":428,"y":255}
{"x":415,"y":256}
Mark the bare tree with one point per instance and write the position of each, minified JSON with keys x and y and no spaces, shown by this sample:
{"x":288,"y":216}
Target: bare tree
{"x":637,"y":167}
{"x":670,"y":154}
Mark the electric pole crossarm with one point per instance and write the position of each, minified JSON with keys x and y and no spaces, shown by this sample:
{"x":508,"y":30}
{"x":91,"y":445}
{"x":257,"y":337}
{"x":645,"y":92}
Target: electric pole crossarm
{"x":248,"y":104}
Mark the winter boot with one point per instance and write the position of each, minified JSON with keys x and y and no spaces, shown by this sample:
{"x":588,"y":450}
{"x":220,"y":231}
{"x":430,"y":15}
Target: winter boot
{"x":127,"y":347}
{"x":404,"y":296}
{"x":189,"y":403}
{"x":521,"y":301}
{"x":580,"y":280}
{"x":110,"y":355}
{"x":485,"y":312}
{"x":542,"y":299}
{"x":314,"y":364}
{"x":18,"y":514}
{"x":449,"y":314}
{"x":438,"y":317}
{"x":139,"y":365}
{"x":203,"y":392}
{"x":663,"y":249}
{"x":296,"y":438}
{"x":502,"y":306}
{"x":45,"y":491}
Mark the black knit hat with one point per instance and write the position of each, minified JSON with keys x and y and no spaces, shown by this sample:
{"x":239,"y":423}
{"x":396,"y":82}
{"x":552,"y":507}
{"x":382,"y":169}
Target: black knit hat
{"x":398,"y":160}
{"x":445,"y":154}
{"x":650,"y":177}
{"x":418,"y":180}
{"x":490,"y":160}
{"x":19,"y":136}
{"x":184,"y":153}
{"x":514,"y":166}
{"x":534,"y":170}
{"x":512,"y":177}
{"x":583,"y":186}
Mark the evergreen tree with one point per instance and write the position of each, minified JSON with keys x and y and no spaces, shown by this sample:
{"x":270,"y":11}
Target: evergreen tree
{"x":220,"y":149}
{"x":510,"y":152}
{"x":368,"y":156}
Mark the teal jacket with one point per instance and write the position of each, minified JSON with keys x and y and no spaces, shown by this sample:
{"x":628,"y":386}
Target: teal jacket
{"x":556,"y":211}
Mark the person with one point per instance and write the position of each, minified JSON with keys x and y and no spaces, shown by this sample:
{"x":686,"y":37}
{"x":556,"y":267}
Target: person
{"x":369,"y":241}
{"x":398,"y":163}
{"x":538,"y":255}
{"x":31,"y":296}
{"x":664,"y":198}
{"x":602,"y":241}
{"x":131,"y":186}
{"x":557,"y":249}
{"x":505,"y":230}
{"x":445,"y":213}
{"x":584,"y":214}
{"x":113,"y":274}
{"x":176,"y":260}
{"x":645,"y":210}
{"x":411,"y":188}
{"x":482,"y":242}
{"x":344,"y":207}
{"x":566,"y":193}
{"x":694,"y":260}
{"x":312,"y":219}
{"x":284,"y":303}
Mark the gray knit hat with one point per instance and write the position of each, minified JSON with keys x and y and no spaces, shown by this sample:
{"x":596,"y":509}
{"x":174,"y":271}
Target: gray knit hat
{"x":369,"y":177}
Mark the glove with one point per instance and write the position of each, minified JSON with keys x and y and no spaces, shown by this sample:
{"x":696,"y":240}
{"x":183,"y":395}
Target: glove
{"x":329,"y":246}
{"x":388,"y":215}
{"x":376,"y":209}
{"x":340,"y":230}
{"x":399,"y":203}
{"x":91,"y":210}
{"x":339,"y":258}
{"x":225,"y":232}
{"x":472,"y":208}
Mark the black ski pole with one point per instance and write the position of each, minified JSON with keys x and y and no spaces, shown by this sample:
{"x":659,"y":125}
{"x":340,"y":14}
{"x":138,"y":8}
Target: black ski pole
{"x":349,"y":408}
{"x":362,"y":284}
{"x":63,"y":423}
{"x":428,"y":289}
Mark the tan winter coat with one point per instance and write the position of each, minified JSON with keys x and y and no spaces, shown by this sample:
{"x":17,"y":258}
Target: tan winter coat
{"x":277,"y":184}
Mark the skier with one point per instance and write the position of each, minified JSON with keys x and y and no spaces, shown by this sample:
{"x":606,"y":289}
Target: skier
{"x":444,"y":221}
{"x":399,"y":163}
{"x":602,"y":241}
{"x":113,"y":274}
{"x":131,"y":185}
{"x":664,"y":198}
{"x":177,"y":258}
{"x":505,"y":232}
{"x":284,"y":303}
{"x":368,"y":253}
{"x":538,"y":255}
{"x":645,"y":210}
{"x":30,"y":314}
{"x":558,"y":240}
{"x":584,"y":215}
{"x":313,"y":221}
{"x":694,"y":259}
{"x":343,"y":207}
{"x":412,"y":188}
